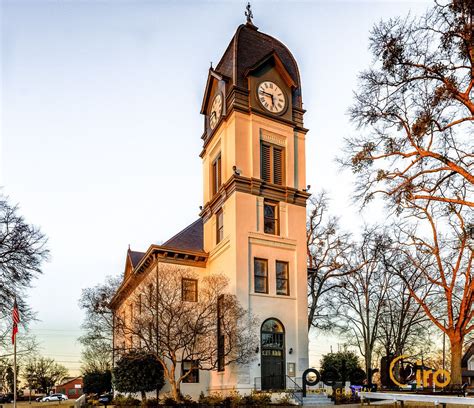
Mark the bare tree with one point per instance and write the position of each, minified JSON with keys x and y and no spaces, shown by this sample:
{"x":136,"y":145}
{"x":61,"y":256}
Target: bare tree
{"x":417,"y":99}
{"x":438,"y":274}
{"x":22,"y":253}
{"x":43,"y":373}
{"x":211,"y":330}
{"x":98,"y":324}
{"x":360,"y":297}
{"x":404,"y":326}
{"x":96,"y":357}
{"x":6,"y":376}
{"x":328,"y":252}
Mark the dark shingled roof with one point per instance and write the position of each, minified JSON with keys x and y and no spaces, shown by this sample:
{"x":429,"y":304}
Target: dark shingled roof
{"x":135,"y":257}
{"x":191,"y":238}
{"x":247,"y":48}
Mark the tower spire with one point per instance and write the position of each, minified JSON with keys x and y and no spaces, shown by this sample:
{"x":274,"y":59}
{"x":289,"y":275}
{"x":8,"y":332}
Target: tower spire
{"x":249,"y":14}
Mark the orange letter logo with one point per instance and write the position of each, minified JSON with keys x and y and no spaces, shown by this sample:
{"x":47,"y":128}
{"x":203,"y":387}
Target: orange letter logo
{"x":390,"y":371}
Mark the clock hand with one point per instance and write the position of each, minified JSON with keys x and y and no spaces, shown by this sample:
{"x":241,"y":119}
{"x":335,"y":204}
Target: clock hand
{"x":266,"y":93}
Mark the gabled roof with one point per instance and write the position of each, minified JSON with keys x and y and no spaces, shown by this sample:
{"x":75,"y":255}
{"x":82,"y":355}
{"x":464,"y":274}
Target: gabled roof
{"x":135,"y":257}
{"x":212,"y":76}
{"x":190,"y":238}
{"x":247,"y":48}
{"x":186,"y":248}
{"x":280,"y":67}
{"x":68,"y":380}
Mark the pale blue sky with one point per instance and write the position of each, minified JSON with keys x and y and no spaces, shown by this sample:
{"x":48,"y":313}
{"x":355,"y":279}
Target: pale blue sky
{"x":100,"y":124}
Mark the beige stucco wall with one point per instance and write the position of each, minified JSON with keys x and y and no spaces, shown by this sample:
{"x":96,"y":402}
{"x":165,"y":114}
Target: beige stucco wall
{"x":238,"y":142}
{"x":124,"y":310}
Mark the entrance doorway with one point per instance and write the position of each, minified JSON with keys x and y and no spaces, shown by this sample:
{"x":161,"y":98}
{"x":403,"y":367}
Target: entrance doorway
{"x":273,"y":355}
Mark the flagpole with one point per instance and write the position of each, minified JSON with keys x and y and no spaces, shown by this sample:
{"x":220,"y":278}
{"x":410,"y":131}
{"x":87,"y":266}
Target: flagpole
{"x":16,"y":320}
{"x":14,"y":373}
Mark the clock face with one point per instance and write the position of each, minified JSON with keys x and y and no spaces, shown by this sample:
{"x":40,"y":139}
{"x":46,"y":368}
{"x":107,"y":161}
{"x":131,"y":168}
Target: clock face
{"x":271,"y":97}
{"x":216,"y":111}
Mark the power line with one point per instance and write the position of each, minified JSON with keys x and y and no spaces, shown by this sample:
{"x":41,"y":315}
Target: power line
{"x":58,"y":330}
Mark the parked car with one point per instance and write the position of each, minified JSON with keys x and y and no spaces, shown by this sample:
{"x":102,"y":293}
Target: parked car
{"x":106,"y":399}
{"x":54,"y":397}
{"x":6,"y":398}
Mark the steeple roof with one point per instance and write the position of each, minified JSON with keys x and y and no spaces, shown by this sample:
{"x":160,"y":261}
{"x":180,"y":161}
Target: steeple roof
{"x":247,"y":49}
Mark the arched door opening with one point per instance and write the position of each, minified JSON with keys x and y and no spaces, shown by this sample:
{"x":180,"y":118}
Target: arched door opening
{"x":273,"y":355}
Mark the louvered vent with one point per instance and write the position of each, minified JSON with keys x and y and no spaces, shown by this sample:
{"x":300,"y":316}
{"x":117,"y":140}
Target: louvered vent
{"x":265,"y":163}
{"x":277,"y":166}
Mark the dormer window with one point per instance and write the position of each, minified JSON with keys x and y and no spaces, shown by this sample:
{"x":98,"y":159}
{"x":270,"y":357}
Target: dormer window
{"x":216,"y":175}
{"x":271,"y":163}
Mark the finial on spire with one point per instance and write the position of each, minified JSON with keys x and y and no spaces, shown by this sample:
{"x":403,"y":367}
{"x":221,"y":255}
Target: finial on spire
{"x":249,"y":14}
{"x":211,"y":65}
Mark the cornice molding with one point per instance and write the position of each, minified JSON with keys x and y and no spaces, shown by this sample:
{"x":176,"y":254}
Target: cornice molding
{"x":237,"y":99}
{"x":255,"y":187}
{"x":273,"y":138}
{"x":273,"y":241}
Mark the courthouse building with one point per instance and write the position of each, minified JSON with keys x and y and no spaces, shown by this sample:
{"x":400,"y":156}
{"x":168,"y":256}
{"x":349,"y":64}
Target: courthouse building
{"x":252,"y":226}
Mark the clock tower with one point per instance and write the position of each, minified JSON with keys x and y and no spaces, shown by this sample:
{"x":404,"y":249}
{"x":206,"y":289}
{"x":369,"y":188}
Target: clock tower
{"x":254,"y":201}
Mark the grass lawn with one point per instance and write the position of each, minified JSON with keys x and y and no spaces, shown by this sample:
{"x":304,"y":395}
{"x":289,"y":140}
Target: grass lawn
{"x":34,"y":404}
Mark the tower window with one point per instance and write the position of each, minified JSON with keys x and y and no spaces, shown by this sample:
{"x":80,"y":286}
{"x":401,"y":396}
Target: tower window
{"x":271,"y":222}
{"x":282,"y":278}
{"x":189,"y":290}
{"x":216,"y":175}
{"x":271,"y":163}
{"x":260,"y":275}
{"x":219,"y":226}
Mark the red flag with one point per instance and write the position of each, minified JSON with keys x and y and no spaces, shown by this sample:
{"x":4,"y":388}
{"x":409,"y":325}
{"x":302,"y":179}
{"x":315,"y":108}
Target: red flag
{"x":16,"y":320}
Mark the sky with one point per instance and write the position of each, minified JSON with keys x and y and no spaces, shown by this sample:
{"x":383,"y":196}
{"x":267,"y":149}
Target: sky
{"x":101,"y":130}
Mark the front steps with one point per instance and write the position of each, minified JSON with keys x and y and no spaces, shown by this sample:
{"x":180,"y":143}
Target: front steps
{"x":315,"y":400}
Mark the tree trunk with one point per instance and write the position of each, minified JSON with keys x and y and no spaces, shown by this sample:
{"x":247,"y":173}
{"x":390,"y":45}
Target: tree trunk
{"x":456,"y":356}
{"x":175,"y":391}
{"x":368,"y":369}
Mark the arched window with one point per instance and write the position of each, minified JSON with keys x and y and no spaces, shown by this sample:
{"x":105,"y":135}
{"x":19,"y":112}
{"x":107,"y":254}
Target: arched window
{"x":273,"y":338}
{"x":273,"y":354}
